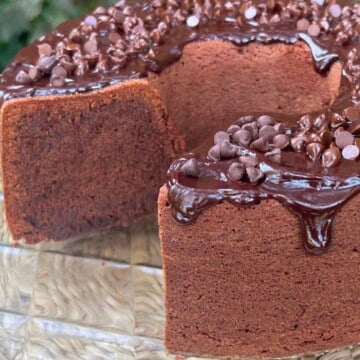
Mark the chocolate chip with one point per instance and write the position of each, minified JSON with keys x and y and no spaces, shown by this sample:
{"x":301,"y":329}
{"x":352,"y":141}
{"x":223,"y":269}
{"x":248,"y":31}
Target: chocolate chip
{"x":57,"y":81}
{"x":267,"y":132}
{"x":274,"y":155}
{"x":242,"y":137}
{"x":331,"y":157}
{"x":252,"y":127}
{"x":279,"y":128}
{"x":302,"y":25}
{"x":190,"y":168}
{"x":351,"y":152}
{"x":245,"y":120}
{"x":91,"y":47}
{"x":336,"y":120}
{"x":254,"y":174}
{"x":314,"y":30}
{"x":338,"y":131}
{"x":313,"y":137}
{"x":261,"y":145}
{"x":305,"y":122}
{"x":23,"y":78}
{"x":314,"y":150}
{"x":75,"y":35}
{"x":275,"y":19}
{"x":68,"y":66}
{"x":102,"y":65}
{"x":249,"y":161}
{"x":91,"y":20}
{"x":82,"y":68}
{"x":354,"y":127}
{"x":34,"y":73}
{"x":343,"y":139}
{"x":214,"y":153}
{"x":298,"y":143}
{"x":236,"y":171}
{"x":118,"y":16}
{"x":335,"y":10}
{"x":114,"y":37}
{"x":192,"y":21}
{"x":47,"y":63}
{"x":220,"y":136}
{"x":250,"y":13}
{"x":227,"y":150}
{"x":100,"y":10}
{"x":326,"y":138}
{"x":352,"y":113}
{"x":45,"y":49}
{"x":281,"y":141}
{"x":265,"y":120}
{"x":128,"y":10}
{"x":320,"y":122}
{"x":58,"y":71}
{"x":233,"y":129}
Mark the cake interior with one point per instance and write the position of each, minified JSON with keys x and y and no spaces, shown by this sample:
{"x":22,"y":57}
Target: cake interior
{"x":215,"y":82}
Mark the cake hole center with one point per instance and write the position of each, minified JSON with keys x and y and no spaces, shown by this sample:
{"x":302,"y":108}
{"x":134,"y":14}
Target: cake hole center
{"x":215,"y":82}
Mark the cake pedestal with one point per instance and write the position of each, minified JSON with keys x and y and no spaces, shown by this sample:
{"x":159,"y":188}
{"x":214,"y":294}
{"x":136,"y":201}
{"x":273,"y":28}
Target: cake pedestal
{"x":98,"y":297}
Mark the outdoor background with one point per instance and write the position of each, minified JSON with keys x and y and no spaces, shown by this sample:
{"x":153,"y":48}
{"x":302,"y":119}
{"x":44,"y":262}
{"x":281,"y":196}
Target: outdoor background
{"x":22,"y":21}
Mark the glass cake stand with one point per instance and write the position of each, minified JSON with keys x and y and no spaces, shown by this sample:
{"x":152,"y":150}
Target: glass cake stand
{"x":98,"y":297}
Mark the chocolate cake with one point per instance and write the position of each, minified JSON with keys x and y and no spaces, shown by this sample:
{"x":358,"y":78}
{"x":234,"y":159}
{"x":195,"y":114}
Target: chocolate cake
{"x":94,"y":112}
{"x":242,"y":219}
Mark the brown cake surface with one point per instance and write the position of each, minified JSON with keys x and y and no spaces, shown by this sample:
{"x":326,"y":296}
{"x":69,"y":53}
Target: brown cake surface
{"x":239,"y":282}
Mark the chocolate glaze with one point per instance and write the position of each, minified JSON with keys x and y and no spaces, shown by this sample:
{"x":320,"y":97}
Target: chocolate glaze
{"x":324,"y":51}
{"x":312,"y":193}
{"x":315,"y":194}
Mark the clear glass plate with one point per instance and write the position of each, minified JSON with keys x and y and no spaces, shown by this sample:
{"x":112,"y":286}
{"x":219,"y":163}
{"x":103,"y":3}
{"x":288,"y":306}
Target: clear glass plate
{"x":98,"y":297}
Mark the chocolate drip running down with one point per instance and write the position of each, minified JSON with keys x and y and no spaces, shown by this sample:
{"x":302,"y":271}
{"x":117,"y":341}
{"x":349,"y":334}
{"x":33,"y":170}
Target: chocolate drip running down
{"x":315,"y":198}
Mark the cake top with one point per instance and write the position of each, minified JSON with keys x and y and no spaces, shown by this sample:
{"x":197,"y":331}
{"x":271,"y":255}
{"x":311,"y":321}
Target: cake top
{"x":313,"y":169}
{"x":128,"y":41}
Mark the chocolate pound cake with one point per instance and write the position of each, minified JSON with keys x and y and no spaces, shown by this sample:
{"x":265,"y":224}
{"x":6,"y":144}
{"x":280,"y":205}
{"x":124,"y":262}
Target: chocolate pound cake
{"x":94,"y":112}
{"x":260,"y":232}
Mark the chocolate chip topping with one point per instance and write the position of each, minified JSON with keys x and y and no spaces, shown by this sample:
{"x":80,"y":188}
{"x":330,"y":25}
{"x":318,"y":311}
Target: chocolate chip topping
{"x":23,"y":78}
{"x":220,"y":136}
{"x":144,"y":31}
{"x":190,"y":168}
{"x":236,"y":171}
{"x":331,"y":157}
{"x":343,"y":139}
{"x":281,"y":141}
{"x":351,"y":152}
{"x":242,"y":137}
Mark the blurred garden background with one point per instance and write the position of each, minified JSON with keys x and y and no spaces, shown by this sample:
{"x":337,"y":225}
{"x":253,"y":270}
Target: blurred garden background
{"x":22,"y":21}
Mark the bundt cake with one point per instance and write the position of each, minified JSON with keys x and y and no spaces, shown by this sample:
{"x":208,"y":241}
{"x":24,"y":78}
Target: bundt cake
{"x":94,"y":112}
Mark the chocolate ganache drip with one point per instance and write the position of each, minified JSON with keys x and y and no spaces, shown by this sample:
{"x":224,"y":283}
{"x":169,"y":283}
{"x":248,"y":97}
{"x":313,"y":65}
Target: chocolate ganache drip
{"x":259,"y":158}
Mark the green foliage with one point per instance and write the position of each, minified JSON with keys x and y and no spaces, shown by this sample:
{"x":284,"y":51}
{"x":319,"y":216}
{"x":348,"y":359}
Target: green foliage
{"x":22,"y":21}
